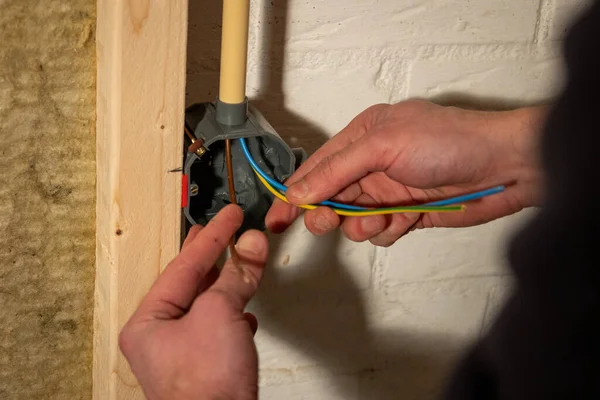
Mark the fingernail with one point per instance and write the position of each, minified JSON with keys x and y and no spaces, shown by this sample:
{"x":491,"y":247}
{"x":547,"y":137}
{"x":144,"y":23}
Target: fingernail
{"x":323,"y":224}
{"x":298,"y":190}
{"x":251,"y":244}
{"x":372,"y":225}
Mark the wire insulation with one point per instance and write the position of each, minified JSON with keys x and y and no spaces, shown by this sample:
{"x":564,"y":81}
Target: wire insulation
{"x":278,"y":190}
{"x":375,"y":211}
{"x":229,"y":163}
{"x":283,"y":188}
{"x":468,"y":197}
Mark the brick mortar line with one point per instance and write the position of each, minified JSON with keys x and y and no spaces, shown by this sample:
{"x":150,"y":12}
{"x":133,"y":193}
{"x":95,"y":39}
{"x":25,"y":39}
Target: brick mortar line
{"x":545,"y":16}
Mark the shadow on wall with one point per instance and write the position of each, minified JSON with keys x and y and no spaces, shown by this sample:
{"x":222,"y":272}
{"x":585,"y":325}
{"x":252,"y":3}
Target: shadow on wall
{"x":315,"y":306}
{"x":467,"y":101}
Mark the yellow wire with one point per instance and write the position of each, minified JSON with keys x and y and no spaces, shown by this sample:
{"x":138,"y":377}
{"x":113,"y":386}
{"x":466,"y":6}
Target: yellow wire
{"x":346,"y":213}
{"x":277,"y":194}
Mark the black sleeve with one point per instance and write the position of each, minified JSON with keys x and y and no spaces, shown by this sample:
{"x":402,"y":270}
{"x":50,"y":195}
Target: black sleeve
{"x":546,"y":342}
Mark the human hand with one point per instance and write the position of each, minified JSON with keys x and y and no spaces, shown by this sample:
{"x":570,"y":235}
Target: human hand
{"x":190,"y":337}
{"x":416,"y":152}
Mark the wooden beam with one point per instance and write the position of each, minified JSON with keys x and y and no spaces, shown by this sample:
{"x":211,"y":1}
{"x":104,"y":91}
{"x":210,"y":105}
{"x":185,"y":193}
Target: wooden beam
{"x":141,"y":47}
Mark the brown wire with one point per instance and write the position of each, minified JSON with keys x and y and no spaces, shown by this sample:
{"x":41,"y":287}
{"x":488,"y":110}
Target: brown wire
{"x":228,"y":162}
{"x":230,"y":171}
{"x":196,"y":146}
{"x":189,"y":134}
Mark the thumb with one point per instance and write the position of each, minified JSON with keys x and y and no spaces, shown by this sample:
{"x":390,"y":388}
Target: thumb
{"x":252,"y":251}
{"x":337,"y":171}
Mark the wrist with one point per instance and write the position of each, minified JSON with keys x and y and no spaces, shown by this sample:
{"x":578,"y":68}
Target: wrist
{"x":516,"y":134}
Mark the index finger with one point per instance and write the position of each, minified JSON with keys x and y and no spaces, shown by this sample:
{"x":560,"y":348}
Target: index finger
{"x":174,"y":291}
{"x":339,"y":170}
{"x":281,"y":215}
{"x":350,"y":134}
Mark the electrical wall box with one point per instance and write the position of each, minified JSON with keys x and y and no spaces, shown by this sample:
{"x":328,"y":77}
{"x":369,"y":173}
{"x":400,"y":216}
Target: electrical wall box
{"x":205,"y":187}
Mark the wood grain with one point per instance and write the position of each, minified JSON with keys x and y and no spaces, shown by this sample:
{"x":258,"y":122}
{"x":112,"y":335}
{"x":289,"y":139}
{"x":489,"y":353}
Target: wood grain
{"x":141,"y":46}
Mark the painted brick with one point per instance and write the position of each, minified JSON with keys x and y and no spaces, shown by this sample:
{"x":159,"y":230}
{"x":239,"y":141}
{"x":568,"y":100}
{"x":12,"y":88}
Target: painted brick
{"x":497,"y":297}
{"x":325,"y":90}
{"x":495,"y":83}
{"x":357,"y":23}
{"x":335,"y":335}
{"x":432,"y":317}
{"x":416,"y":378}
{"x":351,"y":334}
{"x":324,"y":389}
{"x":452,"y":253}
{"x":321,"y":261}
{"x":314,"y":289}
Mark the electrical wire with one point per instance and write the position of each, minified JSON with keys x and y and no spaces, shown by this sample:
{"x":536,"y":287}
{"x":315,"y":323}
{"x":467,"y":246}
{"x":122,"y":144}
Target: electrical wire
{"x":229,"y":164}
{"x":364,"y":213}
{"x":468,"y":197}
{"x":283,"y":188}
{"x":278,"y":190}
{"x":232,"y":197}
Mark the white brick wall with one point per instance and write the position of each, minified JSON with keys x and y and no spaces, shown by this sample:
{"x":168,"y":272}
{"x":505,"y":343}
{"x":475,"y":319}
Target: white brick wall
{"x":339,"y":320}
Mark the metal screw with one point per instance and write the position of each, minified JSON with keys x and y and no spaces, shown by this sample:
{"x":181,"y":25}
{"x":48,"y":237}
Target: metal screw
{"x":194,"y":189}
{"x":201,"y":151}
{"x":196,"y":146}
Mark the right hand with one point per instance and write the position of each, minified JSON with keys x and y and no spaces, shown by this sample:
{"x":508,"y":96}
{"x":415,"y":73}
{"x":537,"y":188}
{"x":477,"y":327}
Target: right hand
{"x":414,"y":152}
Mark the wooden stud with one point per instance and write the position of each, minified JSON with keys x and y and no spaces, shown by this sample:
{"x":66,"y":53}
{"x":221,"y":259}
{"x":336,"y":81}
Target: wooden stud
{"x":141,"y":48}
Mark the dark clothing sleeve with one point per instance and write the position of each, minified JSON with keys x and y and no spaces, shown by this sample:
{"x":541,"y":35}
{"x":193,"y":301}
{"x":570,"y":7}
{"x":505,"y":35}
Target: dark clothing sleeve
{"x":546,"y":342}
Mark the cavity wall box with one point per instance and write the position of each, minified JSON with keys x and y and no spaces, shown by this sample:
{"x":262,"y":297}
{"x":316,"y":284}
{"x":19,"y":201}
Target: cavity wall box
{"x":206,"y":191}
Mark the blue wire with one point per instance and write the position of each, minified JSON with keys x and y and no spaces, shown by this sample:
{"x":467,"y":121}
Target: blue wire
{"x":467,"y":197}
{"x":446,"y":202}
{"x":283,"y":188}
{"x":273,"y":182}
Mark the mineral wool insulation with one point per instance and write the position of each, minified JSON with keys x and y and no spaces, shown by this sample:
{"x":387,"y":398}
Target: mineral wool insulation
{"x":47,"y":198}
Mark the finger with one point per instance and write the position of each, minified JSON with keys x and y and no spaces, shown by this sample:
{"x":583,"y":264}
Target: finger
{"x":281,"y":215}
{"x":175,"y":290}
{"x":350,"y":134}
{"x":321,"y":220}
{"x":398,"y":226}
{"x":337,"y":143}
{"x":252,"y":250}
{"x":252,"y":321}
{"x":211,"y":277}
{"x":191,"y":235}
{"x":350,"y":194}
{"x":359,"y":229}
{"x":477,"y":212}
{"x":339,"y":170}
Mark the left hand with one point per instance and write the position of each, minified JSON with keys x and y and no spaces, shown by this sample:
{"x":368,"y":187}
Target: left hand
{"x":190,"y":337}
